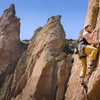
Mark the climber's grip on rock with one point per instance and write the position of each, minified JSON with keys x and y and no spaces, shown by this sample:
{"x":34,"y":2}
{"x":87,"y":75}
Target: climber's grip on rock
{"x":85,"y":49}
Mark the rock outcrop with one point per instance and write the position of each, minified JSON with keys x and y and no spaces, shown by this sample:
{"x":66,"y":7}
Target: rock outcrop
{"x":41,"y":76}
{"x":11,"y":48}
{"x":39,"y":72}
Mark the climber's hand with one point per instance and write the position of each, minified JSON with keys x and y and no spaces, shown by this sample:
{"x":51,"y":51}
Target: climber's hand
{"x":94,"y":30}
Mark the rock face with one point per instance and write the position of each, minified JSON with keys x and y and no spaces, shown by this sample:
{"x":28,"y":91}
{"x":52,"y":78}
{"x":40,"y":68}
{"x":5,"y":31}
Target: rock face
{"x":93,"y":83}
{"x":41,"y":68}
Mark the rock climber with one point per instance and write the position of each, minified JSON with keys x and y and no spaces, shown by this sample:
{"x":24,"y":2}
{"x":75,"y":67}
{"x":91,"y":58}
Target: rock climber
{"x":86,"y":49}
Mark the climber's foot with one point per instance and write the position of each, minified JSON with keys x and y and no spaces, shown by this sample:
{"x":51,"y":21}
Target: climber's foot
{"x":84,"y":86}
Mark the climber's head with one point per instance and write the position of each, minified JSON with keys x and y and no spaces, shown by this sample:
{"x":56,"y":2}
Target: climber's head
{"x":89,"y":28}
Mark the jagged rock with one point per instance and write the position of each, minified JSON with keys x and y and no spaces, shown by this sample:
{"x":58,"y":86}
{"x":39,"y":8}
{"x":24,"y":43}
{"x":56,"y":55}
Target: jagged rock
{"x":10,"y":49}
{"x":63,"y":76}
{"x":61,"y":56}
{"x":41,"y":69}
{"x":44,"y":71}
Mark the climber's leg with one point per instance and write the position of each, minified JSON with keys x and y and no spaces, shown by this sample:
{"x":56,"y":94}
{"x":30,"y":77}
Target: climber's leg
{"x":84,"y":68}
{"x":93,"y":53}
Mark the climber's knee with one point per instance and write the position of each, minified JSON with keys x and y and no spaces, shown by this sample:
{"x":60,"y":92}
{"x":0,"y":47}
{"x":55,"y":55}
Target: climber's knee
{"x":94,"y":54}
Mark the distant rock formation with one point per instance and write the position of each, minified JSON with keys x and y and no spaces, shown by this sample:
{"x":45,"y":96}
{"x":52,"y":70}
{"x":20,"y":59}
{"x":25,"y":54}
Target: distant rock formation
{"x":35,"y":69}
{"x":11,"y":49}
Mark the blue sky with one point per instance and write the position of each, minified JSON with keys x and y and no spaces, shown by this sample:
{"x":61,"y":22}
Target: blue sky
{"x":35,"y":13}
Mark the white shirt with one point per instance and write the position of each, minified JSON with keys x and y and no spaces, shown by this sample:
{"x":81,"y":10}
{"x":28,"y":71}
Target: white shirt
{"x":84,"y":33}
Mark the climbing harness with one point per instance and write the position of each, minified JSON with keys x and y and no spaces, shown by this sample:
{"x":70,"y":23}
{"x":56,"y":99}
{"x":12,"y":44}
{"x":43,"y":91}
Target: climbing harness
{"x":76,"y":50}
{"x":81,"y":48}
{"x":81,"y":57}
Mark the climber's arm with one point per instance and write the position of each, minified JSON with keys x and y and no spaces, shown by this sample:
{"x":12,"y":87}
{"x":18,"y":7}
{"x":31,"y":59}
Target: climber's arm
{"x":90,"y":40}
{"x":92,"y":34}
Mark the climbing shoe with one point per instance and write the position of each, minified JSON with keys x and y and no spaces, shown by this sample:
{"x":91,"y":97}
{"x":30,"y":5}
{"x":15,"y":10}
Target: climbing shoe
{"x":84,"y":86}
{"x":83,"y":83}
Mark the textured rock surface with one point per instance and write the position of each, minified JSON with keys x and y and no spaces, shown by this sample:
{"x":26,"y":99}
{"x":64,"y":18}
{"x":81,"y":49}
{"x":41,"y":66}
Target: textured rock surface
{"x":92,"y":13}
{"x":93,"y":83}
{"x":10,"y":49}
{"x":42,"y":78}
{"x":10,"y":46}
{"x":41,"y":73}
{"x":44,"y":70}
